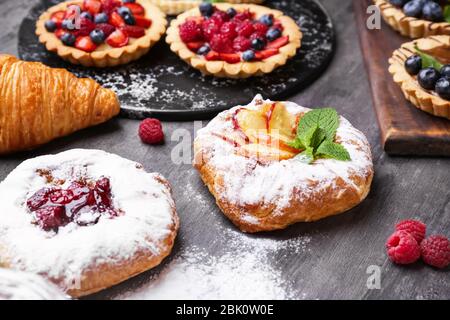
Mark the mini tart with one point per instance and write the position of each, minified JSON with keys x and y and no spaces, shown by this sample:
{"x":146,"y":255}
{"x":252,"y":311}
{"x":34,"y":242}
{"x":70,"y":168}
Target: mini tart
{"x":260,"y":185}
{"x":410,"y":26}
{"x":95,"y":248}
{"x":174,"y":7}
{"x":428,"y":101}
{"x":104,"y":55}
{"x":241,"y":69}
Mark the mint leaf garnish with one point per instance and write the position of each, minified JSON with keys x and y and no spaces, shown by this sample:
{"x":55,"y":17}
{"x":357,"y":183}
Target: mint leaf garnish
{"x":332,"y":150}
{"x":428,"y":61}
{"x":316,"y":132}
{"x":447,"y":13}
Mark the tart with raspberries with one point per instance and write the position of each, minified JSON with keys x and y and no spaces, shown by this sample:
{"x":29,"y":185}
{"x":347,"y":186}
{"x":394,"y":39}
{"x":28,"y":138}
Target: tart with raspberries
{"x":234,"y":41}
{"x":101,"y":33}
{"x":173,"y":7}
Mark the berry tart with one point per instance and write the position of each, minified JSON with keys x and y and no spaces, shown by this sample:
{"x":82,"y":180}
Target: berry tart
{"x":174,"y":7}
{"x":422,"y":70}
{"x":85,"y":219}
{"x":101,"y":33}
{"x":234,"y":41}
{"x":272,"y":164}
{"x":415,"y":18}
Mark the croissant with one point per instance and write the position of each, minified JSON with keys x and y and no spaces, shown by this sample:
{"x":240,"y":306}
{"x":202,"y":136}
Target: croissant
{"x":39,"y":104}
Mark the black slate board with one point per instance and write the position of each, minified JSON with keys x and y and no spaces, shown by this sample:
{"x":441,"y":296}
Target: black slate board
{"x":162,"y":85}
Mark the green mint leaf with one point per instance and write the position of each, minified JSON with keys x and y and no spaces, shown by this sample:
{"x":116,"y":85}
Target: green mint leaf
{"x":331,"y":150}
{"x":326,"y":119}
{"x":296,"y":144}
{"x":428,"y":61}
{"x":306,"y":156}
{"x":447,"y":13}
{"x":313,"y":137}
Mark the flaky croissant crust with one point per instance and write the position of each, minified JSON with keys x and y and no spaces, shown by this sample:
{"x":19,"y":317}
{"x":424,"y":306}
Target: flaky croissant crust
{"x":39,"y":104}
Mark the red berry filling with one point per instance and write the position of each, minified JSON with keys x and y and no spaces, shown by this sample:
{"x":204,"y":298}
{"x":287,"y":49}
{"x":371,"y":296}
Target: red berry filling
{"x":232,"y":36}
{"x":96,"y":22}
{"x":82,"y":202}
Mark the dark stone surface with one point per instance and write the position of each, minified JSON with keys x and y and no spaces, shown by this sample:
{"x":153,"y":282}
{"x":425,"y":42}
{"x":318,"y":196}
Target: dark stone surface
{"x":342,"y":247}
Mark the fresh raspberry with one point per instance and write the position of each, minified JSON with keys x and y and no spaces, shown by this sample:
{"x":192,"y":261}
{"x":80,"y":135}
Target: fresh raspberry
{"x":436,"y":251}
{"x":229,"y":29}
{"x":210,"y":28}
{"x":245,"y":29}
{"x":190,"y":31}
{"x":416,"y":228}
{"x":106,"y":28}
{"x":150,"y":131}
{"x":402,"y":248}
{"x":221,"y":44}
{"x":220,"y":17}
{"x":245,"y":15}
{"x":241,"y":44}
{"x":86,"y":26}
{"x":260,"y":27}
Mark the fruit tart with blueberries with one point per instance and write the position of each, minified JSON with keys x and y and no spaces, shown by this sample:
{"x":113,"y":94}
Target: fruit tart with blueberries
{"x":173,"y":7}
{"x":422,"y":70}
{"x":101,"y":33}
{"x":234,"y":41}
{"x":416,"y":18}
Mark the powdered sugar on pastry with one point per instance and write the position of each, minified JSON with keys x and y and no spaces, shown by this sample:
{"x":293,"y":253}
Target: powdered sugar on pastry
{"x":146,"y":228}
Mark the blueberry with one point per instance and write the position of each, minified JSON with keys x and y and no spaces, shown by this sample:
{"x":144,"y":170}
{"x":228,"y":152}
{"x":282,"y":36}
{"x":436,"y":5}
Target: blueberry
{"x":86,"y":15}
{"x":413,"y":8}
{"x":273,"y":34}
{"x":129,"y":19}
{"x":97,"y":36}
{"x":50,"y":25}
{"x":68,"y":24}
{"x":248,"y":55}
{"x":128,"y":1}
{"x":267,"y":19}
{"x":101,"y":18}
{"x":413,"y":65}
{"x":258,"y":44}
{"x":443,"y":88}
{"x":231,"y":12}
{"x":398,"y":3}
{"x":68,"y":39}
{"x":445,"y":71}
{"x":123,"y":11}
{"x":207,"y":9}
{"x":203,"y":50}
{"x":432,"y":11}
{"x":428,"y":77}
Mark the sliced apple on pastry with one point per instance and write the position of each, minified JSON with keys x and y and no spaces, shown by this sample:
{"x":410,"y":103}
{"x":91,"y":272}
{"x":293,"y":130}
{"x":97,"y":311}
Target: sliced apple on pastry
{"x":265,"y":153}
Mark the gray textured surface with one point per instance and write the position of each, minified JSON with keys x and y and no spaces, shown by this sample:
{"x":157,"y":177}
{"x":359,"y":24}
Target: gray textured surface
{"x":342,"y":247}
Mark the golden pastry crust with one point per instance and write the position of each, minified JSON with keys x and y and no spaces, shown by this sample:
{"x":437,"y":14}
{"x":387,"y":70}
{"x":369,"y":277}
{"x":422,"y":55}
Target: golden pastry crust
{"x":223,"y":69}
{"x":104,"y":55}
{"x":428,"y":101}
{"x":39,"y":104}
{"x":171,"y":7}
{"x":263,"y":197}
{"x":410,"y":26}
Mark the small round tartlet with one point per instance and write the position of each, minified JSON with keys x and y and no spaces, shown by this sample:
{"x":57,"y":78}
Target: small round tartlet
{"x":122,"y":42}
{"x":85,"y":219}
{"x":410,"y":26}
{"x":174,"y":7}
{"x":258,"y":182}
{"x":425,"y":100}
{"x":232,"y":52}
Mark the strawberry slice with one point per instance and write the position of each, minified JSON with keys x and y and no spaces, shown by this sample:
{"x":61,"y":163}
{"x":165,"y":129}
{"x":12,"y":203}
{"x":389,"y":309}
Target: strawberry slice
{"x":133,"y":31}
{"x":194,"y":46}
{"x":93,"y":6}
{"x":59,"y":33}
{"x":116,"y":20}
{"x":106,"y":28}
{"x":108,"y":6}
{"x":261,"y":55}
{"x":143,"y":22}
{"x":135,"y":8}
{"x":277,"y":44}
{"x":212,"y":55}
{"x":85,"y":43}
{"x":117,"y":39}
{"x":230,"y":57}
{"x":58,"y":17}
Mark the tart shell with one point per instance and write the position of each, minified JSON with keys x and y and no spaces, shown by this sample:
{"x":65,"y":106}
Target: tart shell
{"x":176,"y":7}
{"x":424,"y":100}
{"x":410,"y":26}
{"x":109,"y":57}
{"x":223,"y":69}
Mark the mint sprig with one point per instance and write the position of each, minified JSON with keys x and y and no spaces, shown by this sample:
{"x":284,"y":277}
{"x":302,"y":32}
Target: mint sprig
{"x":447,"y":13}
{"x":428,"y":61}
{"x":316,"y":132}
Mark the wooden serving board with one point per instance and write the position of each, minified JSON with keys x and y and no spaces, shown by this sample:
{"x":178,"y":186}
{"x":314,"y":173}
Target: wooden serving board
{"x":405,"y":130}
